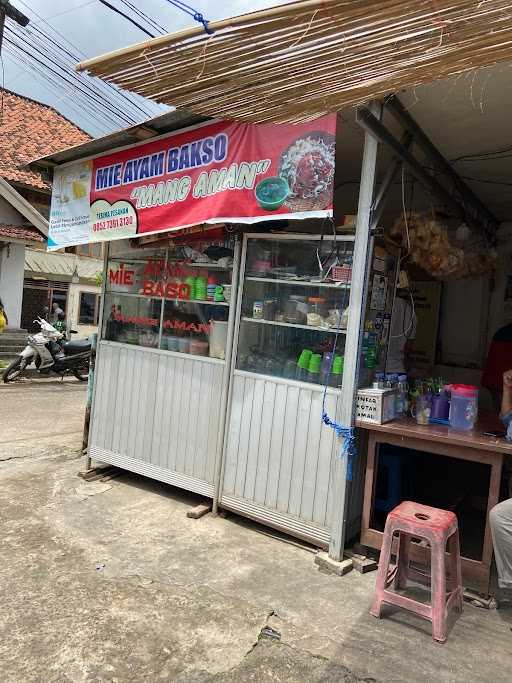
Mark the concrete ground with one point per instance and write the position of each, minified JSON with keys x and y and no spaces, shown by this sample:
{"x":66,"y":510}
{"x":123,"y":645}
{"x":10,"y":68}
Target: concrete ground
{"x":110,"y":581}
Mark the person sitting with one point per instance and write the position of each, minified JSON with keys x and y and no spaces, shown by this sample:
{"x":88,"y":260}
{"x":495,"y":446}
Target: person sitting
{"x":500,"y":516}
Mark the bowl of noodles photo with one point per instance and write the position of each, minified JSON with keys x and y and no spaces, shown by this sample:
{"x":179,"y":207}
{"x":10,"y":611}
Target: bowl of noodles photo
{"x":307,"y":166}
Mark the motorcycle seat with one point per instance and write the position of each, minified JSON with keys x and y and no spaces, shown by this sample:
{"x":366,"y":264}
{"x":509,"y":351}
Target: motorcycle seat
{"x":76,"y":346}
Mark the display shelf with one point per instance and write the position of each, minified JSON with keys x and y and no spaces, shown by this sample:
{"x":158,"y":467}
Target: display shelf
{"x":302,"y":283}
{"x":259,"y":321}
{"x":133,"y":295}
{"x":200,"y":301}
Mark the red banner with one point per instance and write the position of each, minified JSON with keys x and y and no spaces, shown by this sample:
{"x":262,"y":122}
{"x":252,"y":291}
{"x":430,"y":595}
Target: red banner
{"x":215,"y":173}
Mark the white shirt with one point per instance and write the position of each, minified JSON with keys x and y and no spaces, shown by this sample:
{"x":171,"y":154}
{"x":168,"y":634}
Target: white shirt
{"x":402,"y":328}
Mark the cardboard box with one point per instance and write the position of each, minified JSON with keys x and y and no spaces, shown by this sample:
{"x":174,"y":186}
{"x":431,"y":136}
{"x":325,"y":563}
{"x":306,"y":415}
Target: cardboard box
{"x":376,"y":405}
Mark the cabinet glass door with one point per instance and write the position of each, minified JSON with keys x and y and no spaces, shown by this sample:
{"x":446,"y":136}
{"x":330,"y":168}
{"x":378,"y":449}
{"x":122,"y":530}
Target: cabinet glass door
{"x":294,"y":310}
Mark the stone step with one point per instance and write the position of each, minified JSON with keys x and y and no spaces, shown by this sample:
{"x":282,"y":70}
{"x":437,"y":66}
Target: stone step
{"x":9,"y":341}
{"x":10,"y":350}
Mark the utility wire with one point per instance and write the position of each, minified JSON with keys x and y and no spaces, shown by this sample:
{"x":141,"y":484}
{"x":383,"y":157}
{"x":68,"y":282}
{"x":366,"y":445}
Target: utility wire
{"x":147,"y":108}
{"x":128,"y":18}
{"x":154,"y":24}
{"x":48,"y":53}
{"x":115,"y":115}
{"x":55,"y":87}
{"x":93,"y":103}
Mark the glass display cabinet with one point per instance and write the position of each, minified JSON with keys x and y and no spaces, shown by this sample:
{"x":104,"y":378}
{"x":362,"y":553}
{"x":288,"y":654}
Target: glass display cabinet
{"x":174,"y":299}
{"x":292,"y":319}
{"x":164,"y":360}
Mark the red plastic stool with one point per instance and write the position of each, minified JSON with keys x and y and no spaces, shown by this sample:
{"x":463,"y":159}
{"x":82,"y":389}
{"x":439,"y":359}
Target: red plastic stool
{"x":438,"y":527}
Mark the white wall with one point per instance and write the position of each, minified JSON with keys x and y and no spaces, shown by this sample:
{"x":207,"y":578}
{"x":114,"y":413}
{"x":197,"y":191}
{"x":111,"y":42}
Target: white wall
{"x":12,"y":265}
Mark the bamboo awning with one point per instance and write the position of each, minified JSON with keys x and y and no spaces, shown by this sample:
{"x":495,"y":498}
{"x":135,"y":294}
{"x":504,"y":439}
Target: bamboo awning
{"x":299,"y":61}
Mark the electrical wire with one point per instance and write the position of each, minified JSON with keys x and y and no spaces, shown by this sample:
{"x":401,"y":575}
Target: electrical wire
{"x":109,"y":103}
{"x":405,"y":333}
{"x":101,"y":114}
{"x":147,"y":108}
{"x":128,"y":18}
{"x":47,"y":52}
{"x":154,"y":24}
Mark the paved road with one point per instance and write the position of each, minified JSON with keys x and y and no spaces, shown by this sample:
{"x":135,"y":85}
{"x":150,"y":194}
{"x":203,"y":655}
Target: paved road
{"x":40,"y":417}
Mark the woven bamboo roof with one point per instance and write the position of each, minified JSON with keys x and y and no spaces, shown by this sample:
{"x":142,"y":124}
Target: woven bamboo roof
{"x":299,"y":61}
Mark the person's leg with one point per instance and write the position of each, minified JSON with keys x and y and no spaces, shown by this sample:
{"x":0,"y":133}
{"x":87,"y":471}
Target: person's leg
{"x":500,"y":519}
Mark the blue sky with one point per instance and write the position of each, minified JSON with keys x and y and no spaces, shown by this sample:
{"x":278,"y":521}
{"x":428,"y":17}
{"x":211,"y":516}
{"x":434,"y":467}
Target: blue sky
{"x":94,"y":29}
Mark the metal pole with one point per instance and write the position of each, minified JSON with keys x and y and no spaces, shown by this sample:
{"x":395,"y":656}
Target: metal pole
{"x":345,"y":413}
{"x":227,"y":375}
{"x":371,"y":124}
{"x":92,"y":365}
{"x":88,"y":404}
{"x":480,"y":212}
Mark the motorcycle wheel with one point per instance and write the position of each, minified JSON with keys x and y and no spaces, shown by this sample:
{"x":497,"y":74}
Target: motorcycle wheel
{"x":82,"y":373}
{"x":15,"y":369}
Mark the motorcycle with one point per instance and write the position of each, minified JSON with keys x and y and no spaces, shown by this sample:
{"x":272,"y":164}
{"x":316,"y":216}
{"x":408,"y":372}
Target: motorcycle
{"x":49,"y":351}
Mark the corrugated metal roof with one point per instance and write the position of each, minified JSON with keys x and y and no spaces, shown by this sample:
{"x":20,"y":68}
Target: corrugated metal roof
{"x":159,"y":125}
{"x":45,"y":263}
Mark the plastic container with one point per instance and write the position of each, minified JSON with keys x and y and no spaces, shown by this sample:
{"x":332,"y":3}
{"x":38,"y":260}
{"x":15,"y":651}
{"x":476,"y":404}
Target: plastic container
{"x":337,"y":372}
{"x":440,"y":406}
{"x":402,"y":397}
{"x":210,"y":289}
{"x":290,"y":369}
{"x":200,"y":289}
{"x":303,"y":365}
{"x":257,"y":310}
{"x":218,"y":338}
{"x":173,"y":343}
{"x":183,"y":344}
{"x":198,"y":347}
{"x":191,"y":282}
{"x":463,"y":407}
{"x":269,"y":309}
{"x":314,"y":366}
{"x":226,"y":292}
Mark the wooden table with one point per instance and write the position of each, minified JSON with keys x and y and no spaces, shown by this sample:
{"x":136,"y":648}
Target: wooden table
{"x":472,"y":446}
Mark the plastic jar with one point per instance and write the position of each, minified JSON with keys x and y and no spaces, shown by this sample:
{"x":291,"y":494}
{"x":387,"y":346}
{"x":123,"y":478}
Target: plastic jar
{"x":198,"y":347}
{"x":463,"y":406}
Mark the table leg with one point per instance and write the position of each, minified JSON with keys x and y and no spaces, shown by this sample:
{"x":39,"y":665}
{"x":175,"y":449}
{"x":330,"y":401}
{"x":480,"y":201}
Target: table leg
{"x":494,"y":496}
{"x":369,"y":484}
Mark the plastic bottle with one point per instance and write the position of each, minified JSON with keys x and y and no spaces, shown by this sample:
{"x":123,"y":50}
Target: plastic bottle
{"x":210,"y":289}
{"x":402,"y":399}
{"x":314,"y":368}
{"x":191,"y":282}
{"x":303,"y":365}
{"x":200,"y":289}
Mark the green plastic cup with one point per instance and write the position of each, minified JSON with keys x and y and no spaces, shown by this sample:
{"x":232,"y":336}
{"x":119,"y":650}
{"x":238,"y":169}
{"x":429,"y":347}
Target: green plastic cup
{"x":304,"y":359}
{"x":337,"y":365}
{"x":315,"y":362}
